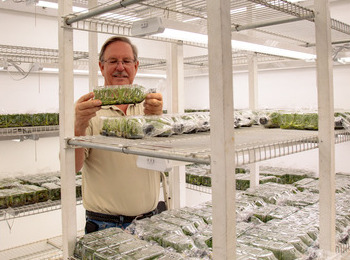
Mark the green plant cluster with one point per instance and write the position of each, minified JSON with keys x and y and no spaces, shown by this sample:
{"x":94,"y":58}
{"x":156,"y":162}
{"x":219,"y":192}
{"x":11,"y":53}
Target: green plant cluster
{"x":27,"y":120}
{"x":31,"y":189}
{"x":191,"y":110}
{"x":299,"y":121}
{"x":196,"y":175}
{"x":126,"y":127}
{"x":123,"y":94}
{"x":136,"y":127}
{"x":274,"y":221}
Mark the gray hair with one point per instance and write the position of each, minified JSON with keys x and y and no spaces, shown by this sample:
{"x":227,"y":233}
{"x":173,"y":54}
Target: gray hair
{"x":117,"y":39}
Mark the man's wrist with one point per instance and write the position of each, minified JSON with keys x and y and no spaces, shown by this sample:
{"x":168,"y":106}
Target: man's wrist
{"x":79,"y":132}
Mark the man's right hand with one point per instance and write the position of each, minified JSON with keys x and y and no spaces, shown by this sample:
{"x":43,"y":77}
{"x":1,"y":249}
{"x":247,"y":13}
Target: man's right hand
{"x":85,"y":109}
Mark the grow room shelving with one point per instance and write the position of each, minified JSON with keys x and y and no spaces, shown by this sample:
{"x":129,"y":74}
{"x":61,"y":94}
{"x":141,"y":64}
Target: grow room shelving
{"x":23,"y":133}
{"x":277,"y":20}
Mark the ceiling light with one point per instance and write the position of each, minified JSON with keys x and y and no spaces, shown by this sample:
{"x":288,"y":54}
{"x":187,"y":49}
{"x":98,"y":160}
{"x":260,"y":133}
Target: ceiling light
{"x":239,"y":10}
{"x":243,"y":44}
{"x":240,"y":45}
{"x":50,"y":70}
{"x":86,"y":72}
{"x":192,"y":19}
{"x":55,"y":6}
{"x":56,"y":70}
{"x":183,"y":36}
{"x":150,"y":75}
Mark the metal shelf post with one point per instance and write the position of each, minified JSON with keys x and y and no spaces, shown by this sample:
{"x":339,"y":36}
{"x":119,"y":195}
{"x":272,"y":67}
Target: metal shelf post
{"x":221,"y":135}
{"x":66,"y":108}
{"x":326,"y":126}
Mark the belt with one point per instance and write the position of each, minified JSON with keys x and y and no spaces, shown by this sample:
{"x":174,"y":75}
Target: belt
{"x":119,"y":219}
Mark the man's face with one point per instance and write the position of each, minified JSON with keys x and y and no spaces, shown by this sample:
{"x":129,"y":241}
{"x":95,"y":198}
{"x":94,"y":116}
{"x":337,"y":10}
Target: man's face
{"x":113,"y":70}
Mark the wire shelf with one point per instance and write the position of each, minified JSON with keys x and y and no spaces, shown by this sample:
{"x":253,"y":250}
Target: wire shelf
{"x":33,"y":132}
{"x":33,"y":209}
{"x":252,"y":144}
{"x":50,"y":248}
{"x":202,"y":189}
{"x":252,"y":14}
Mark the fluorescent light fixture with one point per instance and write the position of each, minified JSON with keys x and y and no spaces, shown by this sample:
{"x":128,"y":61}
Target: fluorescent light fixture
{"x":240,"y":45}
{"x":183,"y":36}
{"x":150,"y":75}
{"x":55,"y":6}
{"x":192,"y":19}
{"x":86,"y":72}
{"x":236,"y":44}
{"x":55,"y":70}
{"x":50,"y":70}
{"x":238,"y":10}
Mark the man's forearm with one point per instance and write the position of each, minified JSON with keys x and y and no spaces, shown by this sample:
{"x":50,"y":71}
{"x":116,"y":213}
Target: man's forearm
{"x":79,"y":159}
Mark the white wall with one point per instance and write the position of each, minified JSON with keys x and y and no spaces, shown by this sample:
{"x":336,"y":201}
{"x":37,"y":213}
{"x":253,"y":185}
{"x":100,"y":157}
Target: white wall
{"x":292,"y":88}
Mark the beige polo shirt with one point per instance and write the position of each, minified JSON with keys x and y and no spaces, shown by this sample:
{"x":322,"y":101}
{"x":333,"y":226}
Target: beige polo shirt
{"x":112,"y":183}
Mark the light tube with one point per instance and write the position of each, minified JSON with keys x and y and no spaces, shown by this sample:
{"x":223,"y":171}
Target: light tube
{"x":86,"y":72}
{"x":239,"y":45}
{"x":55,"y":6}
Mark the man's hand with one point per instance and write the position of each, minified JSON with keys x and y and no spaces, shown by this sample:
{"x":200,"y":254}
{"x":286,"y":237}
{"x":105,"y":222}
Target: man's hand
{"x":85,"y":108}
{"x":153,"y":104}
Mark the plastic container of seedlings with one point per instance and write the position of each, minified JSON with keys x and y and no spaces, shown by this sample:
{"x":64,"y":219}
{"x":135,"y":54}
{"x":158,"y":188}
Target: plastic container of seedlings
{"x":161,"y":126}
{"x":54,"y":190}
{"x":281,"y":250}
{"x":270,"y":120}
{"x":180,"y":243}
{"x":127,"y":127}
{"x":120,"y":94}
{"x":148,"y":252}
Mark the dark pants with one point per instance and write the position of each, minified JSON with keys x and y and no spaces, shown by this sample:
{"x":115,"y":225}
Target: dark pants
{"x":97,"y":221}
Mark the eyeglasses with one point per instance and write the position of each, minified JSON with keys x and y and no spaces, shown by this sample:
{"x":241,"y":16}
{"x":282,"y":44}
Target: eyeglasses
{"x":115,"y":62}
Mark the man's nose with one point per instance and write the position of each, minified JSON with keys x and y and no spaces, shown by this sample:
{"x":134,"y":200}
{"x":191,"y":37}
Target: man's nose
{"x":120,"y":66}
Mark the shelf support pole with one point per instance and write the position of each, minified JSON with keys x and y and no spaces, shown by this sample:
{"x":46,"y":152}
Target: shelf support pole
{"x":66,"y":114}
{"x":326,"y":127}
{"x":93,"y":52}
{"x":175,"y":90}
{"x":253,"y":81}
{"x":222,"y":129}
{"x":175,"y":78}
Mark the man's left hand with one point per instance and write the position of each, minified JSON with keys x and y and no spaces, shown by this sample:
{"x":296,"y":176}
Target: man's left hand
{"x":153,"y":104}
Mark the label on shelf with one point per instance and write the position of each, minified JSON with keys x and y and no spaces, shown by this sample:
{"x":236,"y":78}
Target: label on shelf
{"x":157,"y":164}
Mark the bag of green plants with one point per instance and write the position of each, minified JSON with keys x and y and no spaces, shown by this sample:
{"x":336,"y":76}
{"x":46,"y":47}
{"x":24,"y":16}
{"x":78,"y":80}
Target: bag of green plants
{"x":126,"y":127}
{"x":251,"y":252}
{"x":270,"y":119}
{"x":120,"y":94}
{"x":281,"y":250}
{"x":159,"y":126}
{"x":188,"y":122}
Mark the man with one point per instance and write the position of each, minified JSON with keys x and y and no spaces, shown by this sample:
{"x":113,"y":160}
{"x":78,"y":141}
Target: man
{"x":115,"y":191}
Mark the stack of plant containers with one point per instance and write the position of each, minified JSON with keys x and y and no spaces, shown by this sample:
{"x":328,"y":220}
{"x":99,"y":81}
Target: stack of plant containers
{"x":28,"y":120}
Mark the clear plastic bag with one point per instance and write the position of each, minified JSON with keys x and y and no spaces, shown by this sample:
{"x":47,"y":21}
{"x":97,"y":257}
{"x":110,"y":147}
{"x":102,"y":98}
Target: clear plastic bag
{"x":120,"y":94}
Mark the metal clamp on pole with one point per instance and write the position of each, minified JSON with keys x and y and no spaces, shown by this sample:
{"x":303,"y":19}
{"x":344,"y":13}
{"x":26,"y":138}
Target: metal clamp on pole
{"x":68,"y":145}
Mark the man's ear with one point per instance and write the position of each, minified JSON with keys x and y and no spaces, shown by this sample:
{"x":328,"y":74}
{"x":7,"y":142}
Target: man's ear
{"x":101,"y":65}
{"x":137,"y":63}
